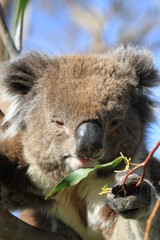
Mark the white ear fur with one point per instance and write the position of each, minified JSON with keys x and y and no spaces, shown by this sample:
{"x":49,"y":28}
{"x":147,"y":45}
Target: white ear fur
{"x":18,"y":77}
{"x":13,"y":109}
{"x":17,"y":115}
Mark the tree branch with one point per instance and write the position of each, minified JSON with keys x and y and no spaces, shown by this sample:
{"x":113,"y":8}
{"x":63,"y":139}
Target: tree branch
{"x":6,"y":37}
{"x":18,"y":34}
{"x":135,"y":35}
{"x":11,"y":228}
{"x":91,"y":20}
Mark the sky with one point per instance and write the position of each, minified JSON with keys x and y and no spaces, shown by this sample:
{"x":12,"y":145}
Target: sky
{"x":48,"y":28}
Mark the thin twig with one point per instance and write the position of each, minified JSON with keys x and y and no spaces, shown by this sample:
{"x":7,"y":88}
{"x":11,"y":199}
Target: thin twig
{"x":143,"y":164}
{"x":150,"y":219}
{"x":6,"y":37}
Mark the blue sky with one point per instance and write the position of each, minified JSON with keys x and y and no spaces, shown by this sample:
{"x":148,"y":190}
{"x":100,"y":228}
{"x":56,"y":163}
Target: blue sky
{"x":49,"y":31}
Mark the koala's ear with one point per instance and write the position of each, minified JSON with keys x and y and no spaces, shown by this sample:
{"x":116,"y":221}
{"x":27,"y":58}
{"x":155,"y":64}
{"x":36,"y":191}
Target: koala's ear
{"x":141,"y":61}
{"x":19,"y":75}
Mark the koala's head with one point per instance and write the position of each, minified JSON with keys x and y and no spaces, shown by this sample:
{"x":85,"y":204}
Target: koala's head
{"x":79,"y":110}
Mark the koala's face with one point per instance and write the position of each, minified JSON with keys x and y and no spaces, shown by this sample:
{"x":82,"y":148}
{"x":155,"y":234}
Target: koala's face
{"x":79,"y":111}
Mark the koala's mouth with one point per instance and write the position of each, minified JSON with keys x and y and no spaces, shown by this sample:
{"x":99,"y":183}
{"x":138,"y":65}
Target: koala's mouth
{"x":73,"y":163}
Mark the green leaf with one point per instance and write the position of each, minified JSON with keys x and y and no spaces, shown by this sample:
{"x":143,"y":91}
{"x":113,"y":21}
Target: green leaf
{"x":22,"y":4}
{"x":76,"y":176}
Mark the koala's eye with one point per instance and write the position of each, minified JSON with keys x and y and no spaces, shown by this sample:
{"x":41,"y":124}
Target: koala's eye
{"x":114,"y":124}
{"x":59,"y":123}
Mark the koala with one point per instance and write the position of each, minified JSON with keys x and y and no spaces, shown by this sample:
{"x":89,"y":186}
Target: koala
{"x":77,"y":111}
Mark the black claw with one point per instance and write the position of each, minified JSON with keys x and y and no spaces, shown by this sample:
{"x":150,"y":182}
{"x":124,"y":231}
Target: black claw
{"x":116,"y":189}
{"x":130,"y":189}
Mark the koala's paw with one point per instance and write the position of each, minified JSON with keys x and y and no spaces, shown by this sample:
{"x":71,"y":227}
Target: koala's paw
{"x":137,"y":202}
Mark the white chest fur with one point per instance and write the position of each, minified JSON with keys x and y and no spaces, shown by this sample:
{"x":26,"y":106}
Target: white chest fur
{"x":68,"y":208}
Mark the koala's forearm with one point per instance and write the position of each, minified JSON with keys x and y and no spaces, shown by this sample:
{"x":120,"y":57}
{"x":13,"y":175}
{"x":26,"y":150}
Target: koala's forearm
{"x":16,"y":189}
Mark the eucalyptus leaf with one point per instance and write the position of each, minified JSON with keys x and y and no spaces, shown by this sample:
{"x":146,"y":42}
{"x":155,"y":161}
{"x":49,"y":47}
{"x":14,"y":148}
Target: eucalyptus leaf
{"x":22,"y":4}
{"x":76,"y":176}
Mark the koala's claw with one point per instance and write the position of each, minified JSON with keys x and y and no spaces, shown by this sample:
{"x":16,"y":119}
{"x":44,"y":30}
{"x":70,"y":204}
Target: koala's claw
{"x":129,"y":186}
{"x":130,"y":189}
{"x":117,"y":190}
{"x":135,"y":201}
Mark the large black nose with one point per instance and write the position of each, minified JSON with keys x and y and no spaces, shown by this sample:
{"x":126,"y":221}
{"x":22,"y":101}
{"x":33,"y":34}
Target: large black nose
{"x":89,"y":140}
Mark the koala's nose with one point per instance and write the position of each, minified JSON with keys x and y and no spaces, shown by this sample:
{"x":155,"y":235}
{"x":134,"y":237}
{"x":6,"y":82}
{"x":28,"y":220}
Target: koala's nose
{"x":89,"y":140}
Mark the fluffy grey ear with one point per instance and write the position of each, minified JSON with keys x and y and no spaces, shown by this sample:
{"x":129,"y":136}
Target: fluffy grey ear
{"x":141,"y":62}
{"x":18,"y":77}
{"x":143,"y":75}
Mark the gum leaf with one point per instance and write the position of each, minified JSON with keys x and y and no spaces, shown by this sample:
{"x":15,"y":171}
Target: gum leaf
{"x":76,"y":176}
